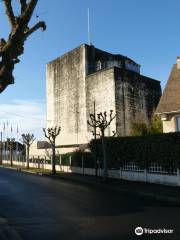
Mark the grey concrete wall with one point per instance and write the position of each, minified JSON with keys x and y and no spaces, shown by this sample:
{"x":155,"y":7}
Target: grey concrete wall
{"x":66,"y":96}
{"x":100,"y":87}
{"x":136,"y":99}
{"x":50,"y":98}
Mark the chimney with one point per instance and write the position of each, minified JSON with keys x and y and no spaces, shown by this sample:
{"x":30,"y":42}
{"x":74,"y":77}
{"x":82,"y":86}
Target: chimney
{"x":178,"y":62}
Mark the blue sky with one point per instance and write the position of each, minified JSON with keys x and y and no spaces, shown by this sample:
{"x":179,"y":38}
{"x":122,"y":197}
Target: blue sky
{"x":146,"y":31}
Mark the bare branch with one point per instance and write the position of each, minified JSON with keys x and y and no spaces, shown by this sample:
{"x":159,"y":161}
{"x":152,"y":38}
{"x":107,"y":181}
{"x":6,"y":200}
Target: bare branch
{"x":52,"y":133}
{"x":23,"y":5}
{"x":27,"y":14}
{"x":28,"y":139}
{"x":11,"y":49}
{"x":40,"y":25}
{"x":101,"y":122}
{"x":9,"y":12}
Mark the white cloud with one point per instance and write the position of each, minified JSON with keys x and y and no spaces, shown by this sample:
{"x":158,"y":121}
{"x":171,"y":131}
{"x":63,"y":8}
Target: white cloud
{"x":29,"y":115}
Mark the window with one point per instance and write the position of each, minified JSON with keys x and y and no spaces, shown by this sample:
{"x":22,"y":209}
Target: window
{"x":178,"y":124}
{"x":98,"y":65}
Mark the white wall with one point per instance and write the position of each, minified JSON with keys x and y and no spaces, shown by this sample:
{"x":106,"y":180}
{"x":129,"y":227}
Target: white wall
{"x":140,"y":176}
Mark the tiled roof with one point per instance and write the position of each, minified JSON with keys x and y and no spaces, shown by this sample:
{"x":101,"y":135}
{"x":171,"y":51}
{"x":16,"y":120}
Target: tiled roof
{"x":170,"y":100}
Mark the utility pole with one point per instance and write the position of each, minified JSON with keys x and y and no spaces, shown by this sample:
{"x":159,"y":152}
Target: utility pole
{"x":95,"y":134}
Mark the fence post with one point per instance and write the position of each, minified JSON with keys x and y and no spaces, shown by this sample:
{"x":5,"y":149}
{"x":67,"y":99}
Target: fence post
{"x":38,"y":162}
{"x":145,"y":175}
{"x":178,"y":177}
{"x":120,"y":173}
{"x":60,"y":161}
{"x":42,"y":162}
{"x":82,"y":162}
{"x":45,"y":162}
{"x":70,"y":162}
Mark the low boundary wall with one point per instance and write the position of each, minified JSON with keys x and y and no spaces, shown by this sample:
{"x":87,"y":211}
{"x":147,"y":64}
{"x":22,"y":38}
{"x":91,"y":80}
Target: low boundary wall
{"x":130,"y":175}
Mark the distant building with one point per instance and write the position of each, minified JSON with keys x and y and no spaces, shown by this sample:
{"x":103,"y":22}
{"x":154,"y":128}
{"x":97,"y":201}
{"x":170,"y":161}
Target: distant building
{"x":87,"y":74}
{"x":169,"y":105}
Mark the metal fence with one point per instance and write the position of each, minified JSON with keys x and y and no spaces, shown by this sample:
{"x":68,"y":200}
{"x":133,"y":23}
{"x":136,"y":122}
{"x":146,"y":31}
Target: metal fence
{"x":40,"y":160}
{"x":153,"y":168}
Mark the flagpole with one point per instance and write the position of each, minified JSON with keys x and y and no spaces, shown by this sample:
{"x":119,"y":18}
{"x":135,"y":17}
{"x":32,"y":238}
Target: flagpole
{"x":11,"y":131}
{"x":3,"y":141}
{"x":12,"y":145}
{"x":7,"y":128}
{"x":1,"y":149}
{"x":17,"y":144}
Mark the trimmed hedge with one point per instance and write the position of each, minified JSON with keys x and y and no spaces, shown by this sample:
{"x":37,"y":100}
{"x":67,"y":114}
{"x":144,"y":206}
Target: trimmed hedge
{"x":162,"y":149}
{"x":76,"y":159}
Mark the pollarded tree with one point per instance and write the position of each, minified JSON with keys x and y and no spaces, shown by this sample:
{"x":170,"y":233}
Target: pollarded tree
{"x":13,"y":47}
{"x":27,"y":139}
{"x":51,"y":134}
{"x":102,"y":122}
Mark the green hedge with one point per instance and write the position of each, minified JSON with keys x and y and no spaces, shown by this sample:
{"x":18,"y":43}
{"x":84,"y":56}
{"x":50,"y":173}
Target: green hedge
{"x":163,"y":149}
{"x":76,"y":159}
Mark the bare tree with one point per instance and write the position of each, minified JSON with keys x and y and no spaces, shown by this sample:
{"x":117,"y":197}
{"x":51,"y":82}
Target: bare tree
{"x":10,"y":147}
{"x":102,"y":123}
{"x":13,"y":47}
{"x":28,"y":139}
{"x":51,"y":134}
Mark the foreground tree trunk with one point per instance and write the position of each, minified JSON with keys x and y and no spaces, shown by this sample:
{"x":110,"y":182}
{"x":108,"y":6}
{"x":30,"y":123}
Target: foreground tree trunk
{"x":53,"y":158}
{"x":27,"y":157}
{"x":105,"y":171}
{"x":13,"y":47}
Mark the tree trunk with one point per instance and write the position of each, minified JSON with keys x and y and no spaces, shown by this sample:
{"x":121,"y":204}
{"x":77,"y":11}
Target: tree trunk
{"x":11,"y":158}
{"x":105,"y":172}
{"x":53,"y":159}
{"x":27,"y":157}
{"x":1,"y":155}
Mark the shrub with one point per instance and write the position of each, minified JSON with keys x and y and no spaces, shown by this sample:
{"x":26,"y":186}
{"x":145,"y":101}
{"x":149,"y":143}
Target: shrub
{"x":76,"y":159}
{"x":142,"y":128}
{"x":163,"y":149}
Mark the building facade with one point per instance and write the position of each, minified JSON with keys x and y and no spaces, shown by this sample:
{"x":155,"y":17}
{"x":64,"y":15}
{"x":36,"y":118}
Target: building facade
{"x":86,"y":75}
{"x":169,"y":105}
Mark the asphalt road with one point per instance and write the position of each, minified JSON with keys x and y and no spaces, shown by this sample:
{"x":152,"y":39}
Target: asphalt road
{"x":35,"y":207}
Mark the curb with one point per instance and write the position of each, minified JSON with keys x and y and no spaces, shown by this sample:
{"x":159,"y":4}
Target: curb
{"x":18,"y":169}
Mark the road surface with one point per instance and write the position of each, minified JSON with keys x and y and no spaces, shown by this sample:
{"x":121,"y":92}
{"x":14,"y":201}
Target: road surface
{"x":35,"y":207}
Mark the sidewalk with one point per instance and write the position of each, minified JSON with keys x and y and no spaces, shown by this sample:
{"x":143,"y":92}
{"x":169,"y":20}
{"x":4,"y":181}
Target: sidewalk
{"x":155,"y":191}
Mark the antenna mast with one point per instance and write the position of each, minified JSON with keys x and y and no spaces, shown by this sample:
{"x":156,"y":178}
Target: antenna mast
{"x":89,"y":37}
